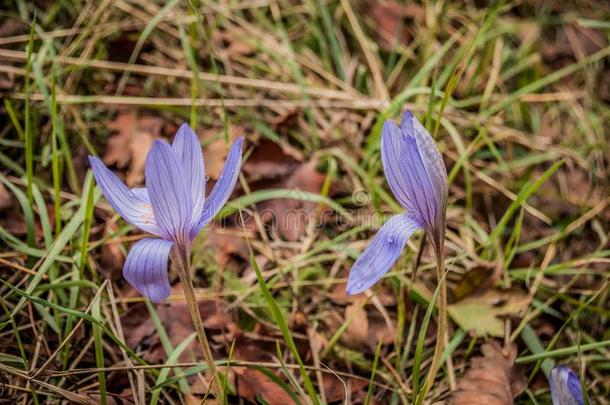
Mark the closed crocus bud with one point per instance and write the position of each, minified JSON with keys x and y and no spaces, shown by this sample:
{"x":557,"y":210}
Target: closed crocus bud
{"x":565,"y":387}
{"x":417,"y":177}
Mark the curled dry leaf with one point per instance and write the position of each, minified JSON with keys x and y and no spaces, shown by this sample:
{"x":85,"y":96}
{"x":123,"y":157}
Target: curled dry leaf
{"x":491,"y":379}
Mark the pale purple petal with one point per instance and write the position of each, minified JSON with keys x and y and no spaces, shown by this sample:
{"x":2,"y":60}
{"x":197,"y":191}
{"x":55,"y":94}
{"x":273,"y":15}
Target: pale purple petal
{"x":431,"y":156}
{"x":188,"y":149}
{"x":169,"y":195}
{"x":416,"y":173}
{"x":142,"y":194}
{"x":224,"y":185}
{"x":406,"y":174}
{"x":382,"y":253}
{"x":565,"y":387}
{"x":146,"y":268}
{"x":124,"y":201}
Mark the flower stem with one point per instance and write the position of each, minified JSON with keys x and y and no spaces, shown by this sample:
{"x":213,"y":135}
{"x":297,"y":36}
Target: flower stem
{"x":442,"y":326}
{"x":182,"y":268}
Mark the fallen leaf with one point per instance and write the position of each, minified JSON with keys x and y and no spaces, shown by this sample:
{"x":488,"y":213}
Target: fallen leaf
{"x":475,"y":280}
{"x":6,"y":198}
{"x":335,"y":387}
{"x":270,"y":160}
{"x":129,"y":147}
{"x":491,"y":379}
{"x":227,"y":245}
{"x":357,"y":333}
{"x":380,"y":330}
{"x":139,"y":329}
{"x":293,"y":216}
{"x":252,"y":383}
{"x":483,"y":314}
{"x":215,"y":153}
{"x":389,"y":21}
{"x":232,"y":43}
{"x":12,"y":26}
{"x":112,"y":257}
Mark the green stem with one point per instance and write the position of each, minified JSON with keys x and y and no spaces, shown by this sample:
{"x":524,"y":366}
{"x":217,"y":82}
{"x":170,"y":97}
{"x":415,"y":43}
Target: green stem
{"x":181,"y":262}
{"x":442,"y":326}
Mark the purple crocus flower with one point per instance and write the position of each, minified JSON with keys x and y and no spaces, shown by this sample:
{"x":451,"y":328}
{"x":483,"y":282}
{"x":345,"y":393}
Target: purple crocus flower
{"x":565,"y":387}
{"x":172,"y":207}
{"x":417,"y":177}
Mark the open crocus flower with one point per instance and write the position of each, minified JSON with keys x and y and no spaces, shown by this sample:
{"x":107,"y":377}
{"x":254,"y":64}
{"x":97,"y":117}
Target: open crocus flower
{"x":565,"y":387}
{"x":417,"y":177}
{"x":172,"y":207}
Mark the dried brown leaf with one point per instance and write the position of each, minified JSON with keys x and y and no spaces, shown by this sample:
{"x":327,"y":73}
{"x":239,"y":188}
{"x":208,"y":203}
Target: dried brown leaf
{"x":6,"y":198}
{"x":491,"y":379}
{"x":252,"y":383}
{"x":130,"y":145}
{"x":357,"y":333}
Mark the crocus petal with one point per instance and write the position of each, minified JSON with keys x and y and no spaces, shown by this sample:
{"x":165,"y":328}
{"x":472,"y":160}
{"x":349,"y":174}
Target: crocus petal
{"x":169,"y":195}
{"x":224,"y":185}
{"x":416,"y":173}
{"x":125,"y":202}
{"x":188,"y":149}
{"x":142,"y":194}
{"x":432,"y":158}
{"x":565,"y":387}
{"x":146,"y":268}
{"x":391,"y":146}
{"x":406,"y":174}
{"x":382,"y":253}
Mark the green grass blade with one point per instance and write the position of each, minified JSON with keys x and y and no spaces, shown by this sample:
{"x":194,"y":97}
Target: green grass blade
{"x":171,"y":360}
{"x":369,"y":392}
{"x":283,"y":325}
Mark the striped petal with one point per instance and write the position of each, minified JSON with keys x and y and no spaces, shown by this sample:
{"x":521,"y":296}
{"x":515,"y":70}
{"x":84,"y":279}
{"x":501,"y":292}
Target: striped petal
{"x":125,"y":202}
{"x":224,"y":186}
{"x":382,"y":252}
{"x":188,"y":149}
{"x":169,"y":195}
{"x":416,"y":172}
{"x":142,"y":194}
{"x":432,"y":158}
{"x":565,"y":387}
{"x":146,"y":268}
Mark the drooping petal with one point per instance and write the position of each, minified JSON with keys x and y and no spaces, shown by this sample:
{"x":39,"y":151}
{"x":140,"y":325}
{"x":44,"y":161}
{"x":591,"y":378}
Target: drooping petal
{"x":169,"y":195}
{"x":382,"y":252}
{"x":224,"y":186}
{"x":146,"y":268}
{"x":188,"y":149}
{"x":125,"y":202}
{"x":565,"y":387}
